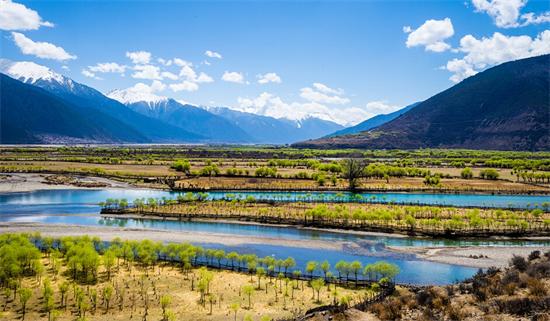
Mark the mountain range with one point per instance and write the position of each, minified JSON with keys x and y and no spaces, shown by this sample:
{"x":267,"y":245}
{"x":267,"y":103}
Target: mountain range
{"x":80,"y":114}
{"x":373,"y":122}
{"x":504,"y":108}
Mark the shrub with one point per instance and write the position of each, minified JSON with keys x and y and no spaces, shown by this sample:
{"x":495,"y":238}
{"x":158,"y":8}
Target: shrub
{"x":519,"y":263}
{"x":489,"y":174}
{"x":534,"y":255}
{"x":537,"y":287}
{"x":467,"y":173}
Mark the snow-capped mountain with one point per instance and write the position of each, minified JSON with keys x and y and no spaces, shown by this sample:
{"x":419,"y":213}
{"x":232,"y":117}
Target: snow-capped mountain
{"x":188,"y":117}
{"x":90,"y":100}
{"x":270,"y":130}
{"x":150,"y":117}
{"x":41,"y":76}
{"x":128,"y":96}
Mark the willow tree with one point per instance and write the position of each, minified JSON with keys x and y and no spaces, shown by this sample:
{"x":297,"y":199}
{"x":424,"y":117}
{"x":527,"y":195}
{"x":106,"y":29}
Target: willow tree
{"x":352,"y":170}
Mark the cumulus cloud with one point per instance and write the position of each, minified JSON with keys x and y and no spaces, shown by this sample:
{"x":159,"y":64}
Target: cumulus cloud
{"x":180,"y":62}
{"x":169,"y":75}
{"x":487,"y":52}
{"x":203,"y":78}
{"x":106,"y":67}
{"x":147,"y":72}
{"x":269,"y":77}
{"x":213,"y":54}
{"x":165,"y":62}
{"x":323,"y":94}
{"x":43,"y":50}
{"x":380,"y":107}
{"x":233,"y":76}
{"x":431,"y":35}
{"x":326,"y":89}
{"x":507,"y":13}
{"x":90,"y":74}
{"x":271,"y":105}
{"x":15,"y":16}
{"x":185,"y":85}
{"x":139,"y":57}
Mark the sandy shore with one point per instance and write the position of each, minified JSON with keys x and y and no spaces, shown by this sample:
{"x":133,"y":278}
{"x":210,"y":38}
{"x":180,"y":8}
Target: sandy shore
{"x":109,"y":233}
{"x":15,"y":182}
{"x":497,"y":256}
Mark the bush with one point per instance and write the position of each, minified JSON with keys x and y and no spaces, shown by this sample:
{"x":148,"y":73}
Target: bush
{"x":489,"y":174}
{"x":534,"y":255}
{"x":537,"y":287}
{"x":519,"y":263}
{"x":182,"y":165}
{"x":467,"y":173}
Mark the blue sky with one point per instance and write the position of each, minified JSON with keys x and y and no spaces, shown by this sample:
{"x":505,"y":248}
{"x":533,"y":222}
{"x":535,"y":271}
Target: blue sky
{"x":343,"y":61}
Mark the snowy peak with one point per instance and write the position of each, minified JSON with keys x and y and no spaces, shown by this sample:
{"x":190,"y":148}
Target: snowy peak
{"x":30,"y":72}
{"x":133,"y":95}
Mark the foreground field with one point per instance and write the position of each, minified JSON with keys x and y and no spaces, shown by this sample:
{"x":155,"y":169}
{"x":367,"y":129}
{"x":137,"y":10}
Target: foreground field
{"x":77,"y":282}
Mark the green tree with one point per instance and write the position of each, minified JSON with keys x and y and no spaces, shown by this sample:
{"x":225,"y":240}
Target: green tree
{"x":24,"y":297}
{"x":467,"y":173}
{"x":352,"y":170}
{"x":248,"y":290}
{"x":316,"y":285}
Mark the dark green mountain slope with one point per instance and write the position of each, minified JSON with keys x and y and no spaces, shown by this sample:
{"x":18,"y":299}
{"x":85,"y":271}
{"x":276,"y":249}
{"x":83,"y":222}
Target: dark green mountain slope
{"x":504,"y":108}
{"x":29,"y":114}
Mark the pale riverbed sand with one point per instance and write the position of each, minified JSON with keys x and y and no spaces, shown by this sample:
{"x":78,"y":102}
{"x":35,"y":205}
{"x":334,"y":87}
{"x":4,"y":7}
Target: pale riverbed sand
{"x":109,"y":233}
{"x":24,"y":182}
{"x":497,"y":256}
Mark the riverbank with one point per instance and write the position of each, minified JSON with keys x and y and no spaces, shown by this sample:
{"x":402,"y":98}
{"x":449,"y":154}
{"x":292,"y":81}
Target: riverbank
{"x":109,"y":233}
{"x":25,"y":182}
{"x":495,"y":255}
{"x":472,"y":256}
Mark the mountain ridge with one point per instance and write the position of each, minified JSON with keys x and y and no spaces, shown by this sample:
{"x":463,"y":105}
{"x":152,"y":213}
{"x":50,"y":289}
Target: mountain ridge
{"x":505,"y":107}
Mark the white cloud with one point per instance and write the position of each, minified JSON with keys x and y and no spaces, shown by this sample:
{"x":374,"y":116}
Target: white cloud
{"x":139,"y":57}
{"x":532,"y":19}
{"x":407,"y":29}
{"x":203,"y":78}
{"x":15,"y":16}
{"x":181,"y":62}
{"x":105,"y":67}
{"x":507,"y":13}
{"x":165,"y":62}
{"x":326,"y":89}
{"x":90,"y":74}
{"x":188,"y":72}
{"x":169,"y":75}
{"x":487,"y":52}
{"x":380,"y":107}
{"x":213,"y":54}
{"x":233,"y":76}
{"x":270,"y":105}
{"x":269,"y":77}
{"x":147,"y":72}
{"x":432,"y":35}
{"x":185,"y":85}
{"x":43,"y":50}
{"x":323,"y":94}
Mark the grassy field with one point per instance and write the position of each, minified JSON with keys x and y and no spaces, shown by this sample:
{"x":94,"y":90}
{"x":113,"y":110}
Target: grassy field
{"x":365,"y":217}
{"x":143,"y":175}
{"x":80,"y":283}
